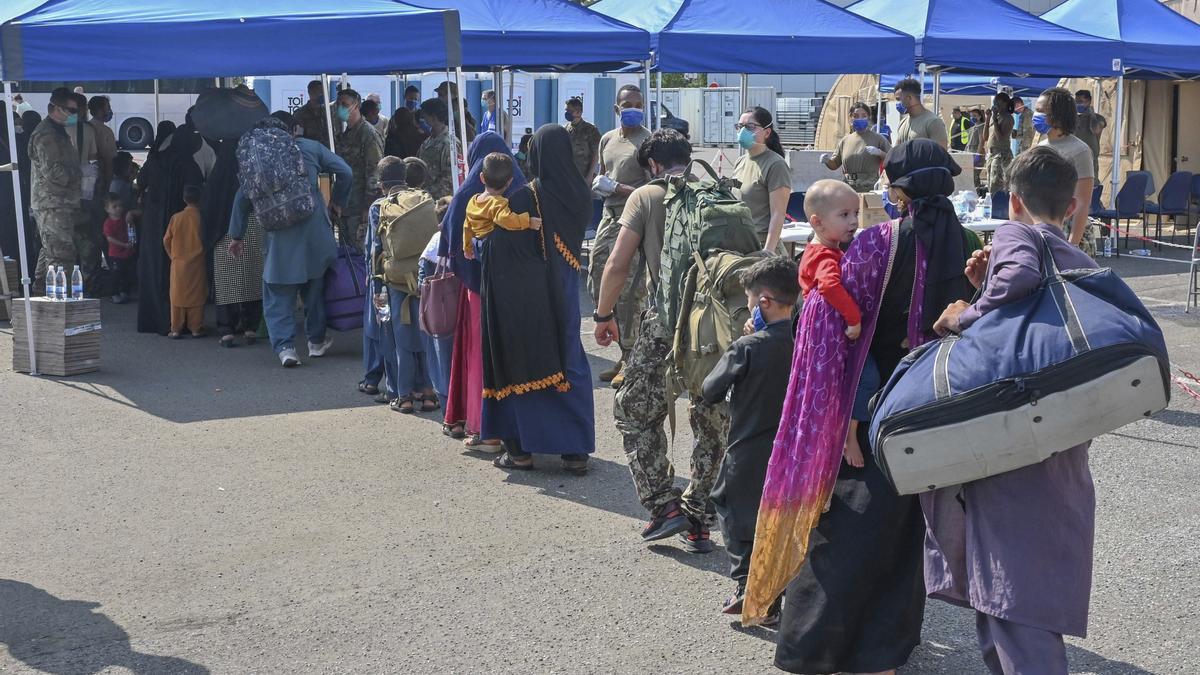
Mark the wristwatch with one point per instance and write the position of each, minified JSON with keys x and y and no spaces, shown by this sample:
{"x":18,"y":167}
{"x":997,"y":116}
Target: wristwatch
{"x":602,"y":319}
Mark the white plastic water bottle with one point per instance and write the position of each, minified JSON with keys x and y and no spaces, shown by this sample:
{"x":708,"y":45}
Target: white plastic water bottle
{"x":1108,"y":246}
{"x":76,"y":284}
{"x":384,"y":313}
{"x":987,"y":208}
{"x":51,"y":283}
{"x":60,"y":283}
{"x":130,"y":233}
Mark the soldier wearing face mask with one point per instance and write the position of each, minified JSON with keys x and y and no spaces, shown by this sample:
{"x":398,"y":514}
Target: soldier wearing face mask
{"x":860,"y":152}
{"x":585,"y":138}
{"x":360,"y":146}
{"x":917,"y":121}
{"x":620,"y":175}
{"x":55,"y":184}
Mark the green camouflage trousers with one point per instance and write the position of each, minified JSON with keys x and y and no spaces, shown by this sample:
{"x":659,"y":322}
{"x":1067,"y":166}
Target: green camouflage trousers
{"x":633,"y":294}
{"x":640,"y":410}
{"x":59,"y":231}
{"x":997,"y":171}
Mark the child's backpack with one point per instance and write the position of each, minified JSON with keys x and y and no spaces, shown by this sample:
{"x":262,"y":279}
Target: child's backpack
{"x":272,"y":173}
{"x":699,"y":294}
{"x":407,"y":219}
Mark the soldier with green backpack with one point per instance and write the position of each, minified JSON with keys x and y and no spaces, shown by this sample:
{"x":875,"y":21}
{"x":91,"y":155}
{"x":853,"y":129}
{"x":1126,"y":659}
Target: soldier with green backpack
{"x":693,"y":235}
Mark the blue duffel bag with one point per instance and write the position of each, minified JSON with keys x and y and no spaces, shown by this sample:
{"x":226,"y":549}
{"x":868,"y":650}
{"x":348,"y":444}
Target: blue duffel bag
{"x":1077,"y":358}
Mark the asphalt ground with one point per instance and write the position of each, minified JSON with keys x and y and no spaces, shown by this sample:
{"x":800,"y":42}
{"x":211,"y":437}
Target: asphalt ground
{"x":193,"y":509}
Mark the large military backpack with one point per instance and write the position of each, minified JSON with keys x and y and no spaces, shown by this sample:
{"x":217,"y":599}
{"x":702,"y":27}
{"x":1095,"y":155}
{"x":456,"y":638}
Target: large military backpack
{"x":699,"y":294}
{"x":272,"y":173}
{"x":407,"y":220}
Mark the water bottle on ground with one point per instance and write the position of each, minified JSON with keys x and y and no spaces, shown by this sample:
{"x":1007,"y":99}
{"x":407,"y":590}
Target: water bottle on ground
{"x":60,"y":283}
{"x":51,"y":288}
{"x":76,"y":284}
{"x":130,"y":233}
{"x":1108,"y":246}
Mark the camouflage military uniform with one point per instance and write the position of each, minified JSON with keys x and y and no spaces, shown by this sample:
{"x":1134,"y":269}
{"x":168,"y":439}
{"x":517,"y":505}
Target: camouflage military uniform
{"x":640,"y":409}
{"x":438,"y":152}
{"x":585,"y":145}
{"x":633,"y":294}
{"x":362,"y":149}
{"x":311,"y":120}
{"x":1024,"y":131}
{"x":54,"y":196}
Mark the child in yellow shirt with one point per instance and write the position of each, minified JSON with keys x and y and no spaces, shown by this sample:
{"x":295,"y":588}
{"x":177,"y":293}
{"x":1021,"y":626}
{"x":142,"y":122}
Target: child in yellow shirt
{"x":489,"y":208}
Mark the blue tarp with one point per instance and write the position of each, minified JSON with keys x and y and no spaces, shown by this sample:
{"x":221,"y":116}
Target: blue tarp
{"x":763,"y":36}
{"x":991,"y":36}
{"x":152,"y":39}
{"x":543,"y":35}
{"x":963,"y":84}
{"x":1156,"y":41}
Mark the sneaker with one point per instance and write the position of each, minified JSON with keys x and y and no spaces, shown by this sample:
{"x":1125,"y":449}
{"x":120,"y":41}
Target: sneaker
{"x":773,"y":616}
{"x":618,"y":380}
{"x":318,"y":350}
{"x":734,"y":604}
{"x":288,"y":358}
{"x":696,"y":539}
{"x":668,"y":520}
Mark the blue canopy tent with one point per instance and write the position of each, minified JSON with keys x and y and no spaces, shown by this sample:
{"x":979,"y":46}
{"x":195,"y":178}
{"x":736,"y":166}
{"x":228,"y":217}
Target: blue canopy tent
{"x":74,"y":40}
{"x":964,"y":84}
{"x":800,"y":36}
{"x":1156,"y":43}
{"x":543,"y":35}
{"x":990,"y":37}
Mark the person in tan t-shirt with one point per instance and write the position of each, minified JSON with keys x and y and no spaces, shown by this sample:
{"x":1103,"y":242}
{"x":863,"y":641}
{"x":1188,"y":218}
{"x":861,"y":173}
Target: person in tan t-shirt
{"x":619,"y":162}
{"x":917,"y":120}
{"x":860,"y":152}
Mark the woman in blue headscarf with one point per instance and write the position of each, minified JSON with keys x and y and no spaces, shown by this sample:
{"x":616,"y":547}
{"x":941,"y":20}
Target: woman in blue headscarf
{"x":464,"y":407}
{"x":553,"y":415}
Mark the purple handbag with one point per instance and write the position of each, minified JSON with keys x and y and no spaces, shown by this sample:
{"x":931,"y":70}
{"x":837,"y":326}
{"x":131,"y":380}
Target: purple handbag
{"x":345,"y":290}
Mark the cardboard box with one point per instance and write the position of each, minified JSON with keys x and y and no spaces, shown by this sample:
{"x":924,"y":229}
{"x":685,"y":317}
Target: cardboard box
{"x":66,"y":335}
{"x":870,"y":209}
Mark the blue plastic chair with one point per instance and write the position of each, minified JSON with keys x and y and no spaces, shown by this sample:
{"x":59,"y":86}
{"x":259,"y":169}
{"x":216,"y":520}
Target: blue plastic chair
{"x":1174,"y":200}
{"x":1131,"y":202}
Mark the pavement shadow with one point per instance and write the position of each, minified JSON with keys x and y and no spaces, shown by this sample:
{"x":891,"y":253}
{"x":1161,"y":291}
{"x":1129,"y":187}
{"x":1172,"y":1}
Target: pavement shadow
{"x":68,"y":637}
{"x":1178,"y":418}
{"x":606,"y":486}
{"x":142,"y":371}
{"x":716,"y":561}
{"x":948,"y":645}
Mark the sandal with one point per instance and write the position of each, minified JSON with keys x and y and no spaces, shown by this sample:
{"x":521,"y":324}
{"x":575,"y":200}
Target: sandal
{"x":368,"y":389}
{"x":429,"y":403}
{"x":477,"y":443}
{"x":454,"y":431}
{"x":174,"y":336}
{"x":506,"y":461}
{"x":226,"y":341}
{"x":250,"y":337}
{"x":399,"y":405}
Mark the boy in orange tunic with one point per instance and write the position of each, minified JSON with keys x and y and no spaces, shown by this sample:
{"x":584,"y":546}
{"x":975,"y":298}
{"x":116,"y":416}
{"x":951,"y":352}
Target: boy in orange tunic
{"x":189,"y":278}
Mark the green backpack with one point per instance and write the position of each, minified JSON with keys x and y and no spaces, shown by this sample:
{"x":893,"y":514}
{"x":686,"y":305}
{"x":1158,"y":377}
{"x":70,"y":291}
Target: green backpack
{"x":707,"y":235}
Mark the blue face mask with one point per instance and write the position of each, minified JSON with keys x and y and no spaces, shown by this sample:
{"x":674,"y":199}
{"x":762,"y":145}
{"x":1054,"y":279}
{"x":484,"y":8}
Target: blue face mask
{"x":1040,"y":123}
{"x":568,"y":116}
{"x":343,"y":113}
{"x":425,"y":128}
{"x":411,"y":105}
{"x":632,"y":117}
{"x":900,"y":108}
{"x":746,"y":139}
{"x":759,"y":322}
{"x":860,"y":124}
{"x":72,"y":120}
{"x":1079,"y":107}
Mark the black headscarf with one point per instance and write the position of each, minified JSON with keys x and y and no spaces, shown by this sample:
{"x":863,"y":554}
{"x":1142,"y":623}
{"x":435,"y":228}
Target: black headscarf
{"x":925,"y":172}
{"x":219,"y":190}
{"x":565,"y":199}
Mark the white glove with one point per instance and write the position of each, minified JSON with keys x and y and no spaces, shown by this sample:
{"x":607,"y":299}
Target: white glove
{"x":603,"y":185}
{"x":825,"y":158}
{"x":875,"y":152}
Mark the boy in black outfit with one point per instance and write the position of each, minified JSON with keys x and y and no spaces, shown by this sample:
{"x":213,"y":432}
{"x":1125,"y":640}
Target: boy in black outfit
{"x":756,"y":367}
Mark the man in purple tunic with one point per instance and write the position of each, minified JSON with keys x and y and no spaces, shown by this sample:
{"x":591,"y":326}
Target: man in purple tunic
{"x":1017,"y":547}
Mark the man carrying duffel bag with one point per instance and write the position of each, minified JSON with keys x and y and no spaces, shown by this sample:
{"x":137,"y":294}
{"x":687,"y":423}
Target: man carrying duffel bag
{"x":1017,"y":546}
{"x":279,"y":178}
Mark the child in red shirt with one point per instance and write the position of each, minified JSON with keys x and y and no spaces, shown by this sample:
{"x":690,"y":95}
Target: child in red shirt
{"x":832,"y":208}
{"x":120,"y":249}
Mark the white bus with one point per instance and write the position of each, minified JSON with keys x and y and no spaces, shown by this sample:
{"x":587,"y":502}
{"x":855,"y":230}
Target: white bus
{"x":132,"y":103}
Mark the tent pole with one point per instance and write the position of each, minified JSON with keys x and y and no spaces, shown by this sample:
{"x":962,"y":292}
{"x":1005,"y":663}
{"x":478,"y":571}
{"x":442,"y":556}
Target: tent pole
{"x":497,"y":90}
{"x":398,"y":97}
{"x":881,"y":118}
{"x":21,"y":254}
{"x":937,"y":92}
{"x":328,"y":116}
{"x":512,"y":76}
{"x":462,"y":111}
{"x":1118,"y":114}
{"x":659,"y":98}
{"x":453,"y":134}
{"x":646,"y":99}
{"x":157,"y":116}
